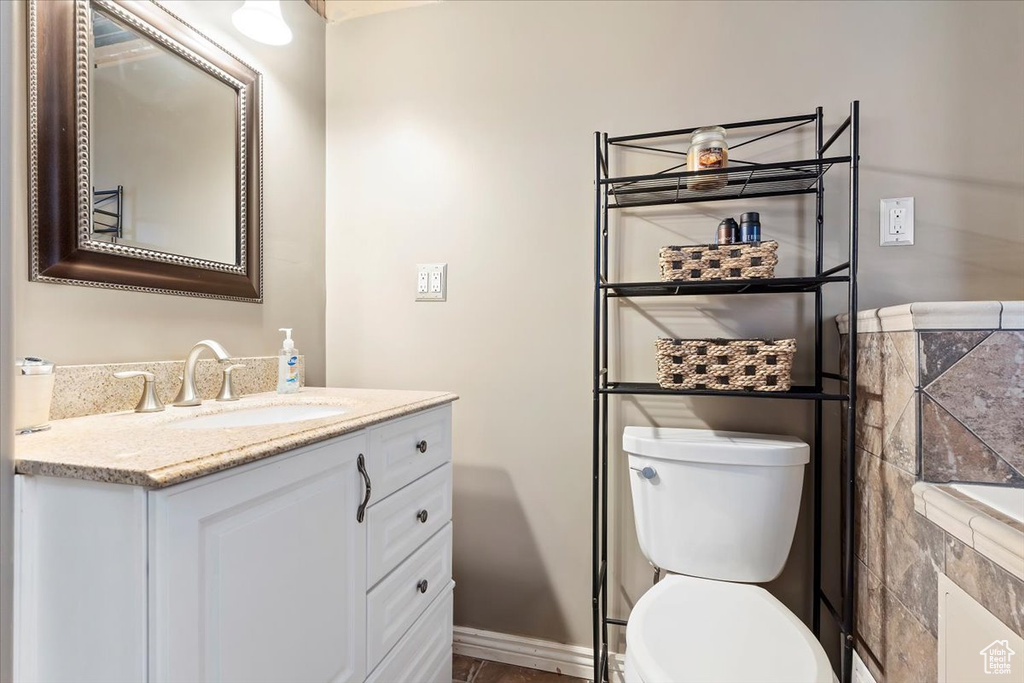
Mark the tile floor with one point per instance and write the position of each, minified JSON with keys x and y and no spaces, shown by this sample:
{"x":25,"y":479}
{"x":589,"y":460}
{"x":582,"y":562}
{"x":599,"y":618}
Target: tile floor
{"x":469,"y":670}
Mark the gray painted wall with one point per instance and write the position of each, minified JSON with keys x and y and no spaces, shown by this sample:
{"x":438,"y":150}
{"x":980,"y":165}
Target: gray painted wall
{"x":461,"y":132}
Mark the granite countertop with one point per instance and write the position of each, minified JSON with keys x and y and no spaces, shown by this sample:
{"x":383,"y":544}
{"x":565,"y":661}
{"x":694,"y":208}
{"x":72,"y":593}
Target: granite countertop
{"x":147,"y":449}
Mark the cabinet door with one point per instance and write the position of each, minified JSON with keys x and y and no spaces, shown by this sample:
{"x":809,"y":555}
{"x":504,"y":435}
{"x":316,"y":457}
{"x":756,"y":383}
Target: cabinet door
{"x":260,"y":574}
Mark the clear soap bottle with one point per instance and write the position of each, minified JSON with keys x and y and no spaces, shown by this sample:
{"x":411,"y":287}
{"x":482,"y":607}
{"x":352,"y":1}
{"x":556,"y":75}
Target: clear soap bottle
{"x":288,"y":365}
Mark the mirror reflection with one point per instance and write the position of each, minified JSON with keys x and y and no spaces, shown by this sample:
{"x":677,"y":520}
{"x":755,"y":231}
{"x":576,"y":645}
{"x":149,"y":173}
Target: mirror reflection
{"x":164,"y":148}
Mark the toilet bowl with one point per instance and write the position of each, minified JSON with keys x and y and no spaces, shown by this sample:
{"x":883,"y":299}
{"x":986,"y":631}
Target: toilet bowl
{"x":690,"y":630}
{"x":717,"y":510}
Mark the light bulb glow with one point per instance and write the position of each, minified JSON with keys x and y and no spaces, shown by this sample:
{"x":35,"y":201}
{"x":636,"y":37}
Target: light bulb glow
{"x":261,"y":20}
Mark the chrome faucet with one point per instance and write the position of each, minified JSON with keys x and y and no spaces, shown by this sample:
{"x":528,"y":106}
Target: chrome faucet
{"x":188,"y":396}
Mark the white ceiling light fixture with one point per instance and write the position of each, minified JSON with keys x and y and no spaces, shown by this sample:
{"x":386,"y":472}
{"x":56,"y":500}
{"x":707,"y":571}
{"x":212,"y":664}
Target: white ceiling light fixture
{"x":261,"y":20}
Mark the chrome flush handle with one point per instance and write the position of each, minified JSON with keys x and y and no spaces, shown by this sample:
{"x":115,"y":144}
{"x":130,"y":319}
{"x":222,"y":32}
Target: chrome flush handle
{"x":645,"y":472}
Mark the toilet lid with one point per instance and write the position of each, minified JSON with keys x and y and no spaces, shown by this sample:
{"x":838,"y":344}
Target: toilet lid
{"x":688,"y":629}
{"x":710,"y":446}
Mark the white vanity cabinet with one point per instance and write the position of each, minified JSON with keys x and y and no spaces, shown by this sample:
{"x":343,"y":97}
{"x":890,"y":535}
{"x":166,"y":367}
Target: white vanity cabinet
{"x":257,"y":573}
{"x":261,"y":575}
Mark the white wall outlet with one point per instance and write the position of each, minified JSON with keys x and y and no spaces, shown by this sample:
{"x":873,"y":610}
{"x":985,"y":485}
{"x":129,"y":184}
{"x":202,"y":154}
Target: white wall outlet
{"x":432,"y":282}
{"x":896,"y":222}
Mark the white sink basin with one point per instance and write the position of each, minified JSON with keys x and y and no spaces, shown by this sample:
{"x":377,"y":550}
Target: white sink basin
{"x":257,"y":417}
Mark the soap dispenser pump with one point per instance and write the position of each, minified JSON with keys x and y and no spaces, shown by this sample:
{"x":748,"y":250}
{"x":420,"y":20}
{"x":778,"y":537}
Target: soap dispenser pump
{"x":288,"y":365}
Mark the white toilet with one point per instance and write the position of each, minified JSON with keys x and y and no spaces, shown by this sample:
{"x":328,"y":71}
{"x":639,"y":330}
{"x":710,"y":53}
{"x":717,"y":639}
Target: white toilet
{"x":717,"y":510}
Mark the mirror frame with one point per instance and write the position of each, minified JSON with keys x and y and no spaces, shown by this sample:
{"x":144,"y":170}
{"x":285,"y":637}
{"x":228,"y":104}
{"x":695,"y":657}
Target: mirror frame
{"x":62,"y":249}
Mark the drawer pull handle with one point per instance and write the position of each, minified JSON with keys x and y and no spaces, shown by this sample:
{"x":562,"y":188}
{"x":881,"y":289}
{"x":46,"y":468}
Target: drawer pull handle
{"x":422,"y":516}
{"x":422,"y":586}
{"x":422,"y":446}
{"x":361,"y":466}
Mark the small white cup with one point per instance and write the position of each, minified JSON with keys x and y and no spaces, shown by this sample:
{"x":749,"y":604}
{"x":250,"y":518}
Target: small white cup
{"x":32,"y":397}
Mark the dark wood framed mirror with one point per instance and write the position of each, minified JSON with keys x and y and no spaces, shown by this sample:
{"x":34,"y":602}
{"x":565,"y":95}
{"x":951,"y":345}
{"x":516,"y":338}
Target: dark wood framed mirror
{"x":145,"y":153}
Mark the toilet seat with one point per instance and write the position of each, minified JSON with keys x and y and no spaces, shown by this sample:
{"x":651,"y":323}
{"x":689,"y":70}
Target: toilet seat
{"x":690,"y":630}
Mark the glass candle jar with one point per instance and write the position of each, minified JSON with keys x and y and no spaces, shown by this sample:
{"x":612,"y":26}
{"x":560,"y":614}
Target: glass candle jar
{"x":708,"y":150}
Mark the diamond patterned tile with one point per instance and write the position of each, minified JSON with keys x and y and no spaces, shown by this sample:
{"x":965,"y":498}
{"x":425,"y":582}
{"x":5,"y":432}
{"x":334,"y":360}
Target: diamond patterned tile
{"x":985,"y":391}
{"x":941,"y":350}
{"x":906,"y":346}
{"x":950,"y":452}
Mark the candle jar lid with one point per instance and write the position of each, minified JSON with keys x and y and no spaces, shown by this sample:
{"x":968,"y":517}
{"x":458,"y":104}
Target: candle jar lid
{"x":30,"y":365}
{"x":707,"y":133}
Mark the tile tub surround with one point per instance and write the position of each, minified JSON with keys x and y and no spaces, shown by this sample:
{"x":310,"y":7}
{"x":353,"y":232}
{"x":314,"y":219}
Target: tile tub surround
{"x":992,"y":533}
{"x":977,"y":399}
{"x":939,"y":315}
{"x":80,"y":390}
{"x":916,"y":382}
{"x":899,"y":554}
{"x":146,"y":449}
{"x":965,"y":366}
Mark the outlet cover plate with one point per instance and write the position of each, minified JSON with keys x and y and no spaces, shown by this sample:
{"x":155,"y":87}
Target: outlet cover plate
{"x":436,"y":277}
{"x":896,"y":222}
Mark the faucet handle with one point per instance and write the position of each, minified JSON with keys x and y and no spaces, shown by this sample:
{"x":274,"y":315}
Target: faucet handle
{"x":149,"y":402}
{"x":227,"y":388}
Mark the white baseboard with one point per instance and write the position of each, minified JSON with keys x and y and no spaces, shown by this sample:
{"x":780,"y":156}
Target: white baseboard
{"x":570,"y":660}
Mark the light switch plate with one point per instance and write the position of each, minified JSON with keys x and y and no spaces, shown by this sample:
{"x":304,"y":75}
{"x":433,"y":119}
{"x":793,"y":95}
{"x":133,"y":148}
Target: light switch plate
{"x":896,"y":222}
{"x":431,"y":282}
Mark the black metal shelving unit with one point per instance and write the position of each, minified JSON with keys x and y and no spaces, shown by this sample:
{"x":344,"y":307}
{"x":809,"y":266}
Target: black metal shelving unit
{"x":108,"y":212}
{"x":742,"y":180}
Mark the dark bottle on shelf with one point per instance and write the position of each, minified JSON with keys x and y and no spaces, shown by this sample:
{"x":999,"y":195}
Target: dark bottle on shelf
{"x":750,"y":227}
{"x":727,"y":231}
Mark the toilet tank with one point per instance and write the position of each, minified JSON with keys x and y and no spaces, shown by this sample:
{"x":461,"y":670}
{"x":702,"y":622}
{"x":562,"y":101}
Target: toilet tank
{"x":720,"y":505}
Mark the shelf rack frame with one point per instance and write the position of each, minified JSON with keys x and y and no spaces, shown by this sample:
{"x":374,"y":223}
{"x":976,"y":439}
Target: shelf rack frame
{"x":671,"y":186}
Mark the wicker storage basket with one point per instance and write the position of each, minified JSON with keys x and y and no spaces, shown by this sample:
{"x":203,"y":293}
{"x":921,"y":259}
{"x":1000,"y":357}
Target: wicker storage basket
{"x":745,"y":261}
{"x":726,"y":365}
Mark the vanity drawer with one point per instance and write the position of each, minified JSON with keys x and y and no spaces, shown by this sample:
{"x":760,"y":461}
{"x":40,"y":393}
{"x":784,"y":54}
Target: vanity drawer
{"x":404,"y":450}
{"x":403,"y":521}
{"x":424,"y":655}
{"x":397,"y":601}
